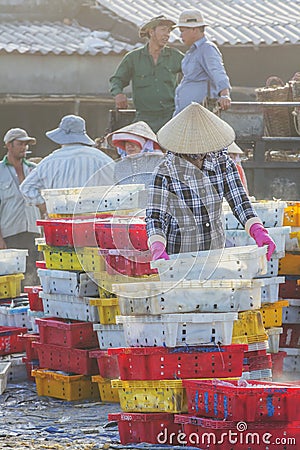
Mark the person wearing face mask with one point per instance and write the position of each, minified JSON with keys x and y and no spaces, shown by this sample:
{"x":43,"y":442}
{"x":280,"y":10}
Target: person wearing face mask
{"x":153,"y":70}
{"x":139,"y":151}
{"x":235,"y":152}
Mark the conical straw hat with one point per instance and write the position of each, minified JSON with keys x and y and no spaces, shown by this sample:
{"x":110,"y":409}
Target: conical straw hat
{"x":195,"y":130}
{"x":234,"y":148}
{"x":138,"y":128}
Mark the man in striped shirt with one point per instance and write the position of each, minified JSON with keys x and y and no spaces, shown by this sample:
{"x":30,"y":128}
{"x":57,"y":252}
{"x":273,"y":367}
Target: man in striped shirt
{"x":76,"y":164}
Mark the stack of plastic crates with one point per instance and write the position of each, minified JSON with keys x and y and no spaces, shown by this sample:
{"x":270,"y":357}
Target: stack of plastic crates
{"x":271,"y":214}
{"x":176,"y":330}
{"x":239,"y":415}
{"x":122,"y":242}
{"x":233,"y":265}
{"x":289,"y":266}
{"x":65,"y":366}
{"x":14,"y":307}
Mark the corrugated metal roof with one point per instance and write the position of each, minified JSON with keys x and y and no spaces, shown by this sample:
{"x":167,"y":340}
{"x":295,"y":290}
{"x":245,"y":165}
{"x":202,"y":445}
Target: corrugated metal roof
{"x":57,"y":37}
{"x":232,"y":22}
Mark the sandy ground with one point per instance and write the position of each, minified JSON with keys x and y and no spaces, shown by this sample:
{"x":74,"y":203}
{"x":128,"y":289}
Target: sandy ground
{"x":31,"y":422}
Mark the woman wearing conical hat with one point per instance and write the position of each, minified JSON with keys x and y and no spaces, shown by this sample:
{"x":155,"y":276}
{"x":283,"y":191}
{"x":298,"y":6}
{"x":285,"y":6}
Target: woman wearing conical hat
{"x":184,"y":212}
{"x":140,"y":153}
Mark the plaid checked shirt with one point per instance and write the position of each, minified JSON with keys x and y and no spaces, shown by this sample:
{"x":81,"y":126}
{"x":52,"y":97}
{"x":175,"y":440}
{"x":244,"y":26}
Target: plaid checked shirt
{"x":185,"y":203}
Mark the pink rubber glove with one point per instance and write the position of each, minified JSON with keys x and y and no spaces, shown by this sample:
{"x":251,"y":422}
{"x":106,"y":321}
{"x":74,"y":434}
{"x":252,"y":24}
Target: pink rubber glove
{"x":262,"y":237}
{"x":158,"y":251}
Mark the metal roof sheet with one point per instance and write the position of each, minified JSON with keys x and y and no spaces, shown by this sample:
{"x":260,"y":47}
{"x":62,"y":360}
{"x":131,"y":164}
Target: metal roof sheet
{"x":231,"y":22}
{"x":57,"y":38}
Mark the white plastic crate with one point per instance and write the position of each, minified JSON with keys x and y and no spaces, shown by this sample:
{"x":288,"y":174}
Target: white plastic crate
{"x":273,"y":338}
{"x":15,"y":315}
{"x":237,"y":238}
{"x":4,"y":370}
{"x":110,"y":336}
{"x":188,"y":296}
{"x":12,"y":261}
{"x":263,"y":374}
{"x":228,"y":263}
{"x":293,"y":239}
{"x":270,"y":212}
{"x":32,"y":316}
{"x":17,"y":370}
{"x":270,"y":288}
{"x":291,"y":362}
{"x":65,"y":282}
{"x":69,"y":307}
{"x":92,"y":199}
{"x":172,"y":330}
{"x":272,"y":268}
{"x":255,"y":346}
{"x":291,"y":313}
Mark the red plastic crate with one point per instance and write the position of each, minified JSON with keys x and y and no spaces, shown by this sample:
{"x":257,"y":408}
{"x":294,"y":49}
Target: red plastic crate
{"x":40,"y":265}
{"x":28,"y":339}
{"x":161,"y":363}
{"x":72,"y":360}
{"x":126,"y":233}
{"x":259,"y":362}
{"x":131,"y":266}
{"x":9,"y":340}
{"x":107,"y":364}
{"x":227,"y":435}
{"x":145,"y":427}
{"x":257,"y":401}
{"x":290,"y":338}
{"x":30,"y":365}
{"x":67,"y":332}
{"x":277,"y":364}
{"x":70,"y":232}
{"x":35,"y":302}
{"x":290,"y":288}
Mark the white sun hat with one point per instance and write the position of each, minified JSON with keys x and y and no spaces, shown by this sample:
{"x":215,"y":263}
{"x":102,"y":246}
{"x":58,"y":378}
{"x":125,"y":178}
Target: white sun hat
{"x":234,"y":148}
{"x":140,"y":128}
{"x":195,"y":130}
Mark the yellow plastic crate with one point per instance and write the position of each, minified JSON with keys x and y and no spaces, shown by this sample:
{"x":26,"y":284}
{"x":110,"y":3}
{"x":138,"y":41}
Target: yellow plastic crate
{"x":108,"y":309}
{"x":66,"y":387}
{"x":91,"y":260}
{"x":151,"y":396}
{"x":249,"y":328}
{"x":10,"y":285}
{"x":105,"y":280}
{"x":291,"y":214}
{"x":63,"y":258}
{"x":272,"y":313}
{"x":107,"y":392}
{"x":290,"y":264}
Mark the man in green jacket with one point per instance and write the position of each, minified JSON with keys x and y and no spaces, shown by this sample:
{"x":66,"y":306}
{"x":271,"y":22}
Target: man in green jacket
{"x":153,"y":71}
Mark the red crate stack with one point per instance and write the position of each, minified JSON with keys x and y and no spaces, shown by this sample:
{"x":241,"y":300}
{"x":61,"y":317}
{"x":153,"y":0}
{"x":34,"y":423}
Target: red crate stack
{"x":65,"y":345}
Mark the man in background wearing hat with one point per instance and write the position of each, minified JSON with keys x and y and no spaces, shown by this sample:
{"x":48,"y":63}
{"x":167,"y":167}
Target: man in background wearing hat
{"x":153,"y":71}
{"x":17,"y":219}
{"x":76,"y":164}
{"x":204,"y":76}
{"x":184,"y":212}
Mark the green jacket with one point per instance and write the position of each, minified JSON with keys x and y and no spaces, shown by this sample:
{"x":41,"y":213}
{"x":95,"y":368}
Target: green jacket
{"x":153,"y":86}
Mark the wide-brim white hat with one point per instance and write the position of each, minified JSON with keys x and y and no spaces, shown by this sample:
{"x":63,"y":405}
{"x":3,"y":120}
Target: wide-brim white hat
{"x":140,"y":128}
{"x":195,"y":130}
{"x":234,"y":148}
